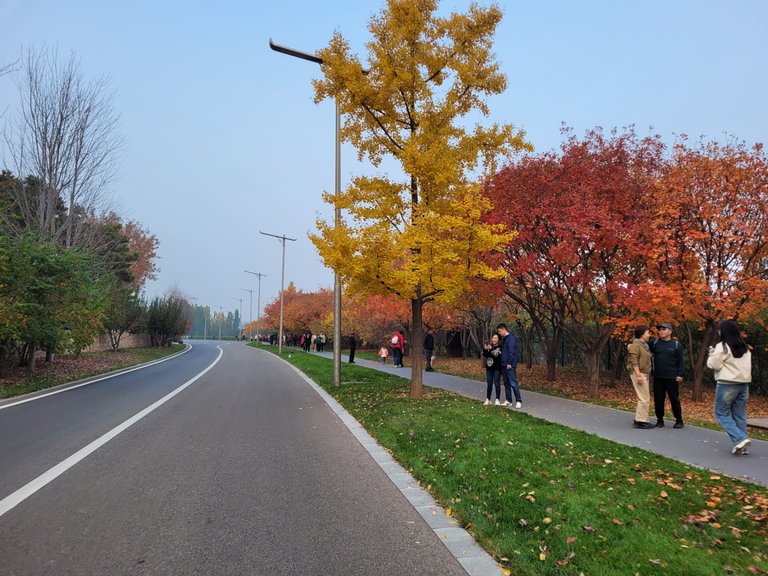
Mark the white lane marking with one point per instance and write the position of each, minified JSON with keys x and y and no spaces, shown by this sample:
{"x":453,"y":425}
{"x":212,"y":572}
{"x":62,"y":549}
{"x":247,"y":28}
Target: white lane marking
{"x":10,"y":502}
{"x":107,"y":377}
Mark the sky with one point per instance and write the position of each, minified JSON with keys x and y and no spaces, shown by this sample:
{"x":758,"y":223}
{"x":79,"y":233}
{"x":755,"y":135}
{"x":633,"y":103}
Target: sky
{"x":224,"y":141}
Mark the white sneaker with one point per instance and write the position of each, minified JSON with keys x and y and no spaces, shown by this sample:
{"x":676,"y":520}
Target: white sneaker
{"x":506,"y":403}
{"x":742,"y":447}
{"x":519,"y":405}
{"x":497,"y":402}
{"x":486,"y":403}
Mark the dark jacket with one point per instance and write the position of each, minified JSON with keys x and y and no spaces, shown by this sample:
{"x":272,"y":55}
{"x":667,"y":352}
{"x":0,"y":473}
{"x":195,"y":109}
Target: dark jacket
{"x":492,"y":358}
{"x":668,"y":359}
{"x":509,"y":351}
{"x":352,"y":342}
{"x":429,"y":342}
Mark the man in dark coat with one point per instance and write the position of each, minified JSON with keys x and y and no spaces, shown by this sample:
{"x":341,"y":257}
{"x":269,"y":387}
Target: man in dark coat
{"x":352,"y":347}
{"x":429,"y":349}
{"x":509,"y":366}
{"x":668,"y":372}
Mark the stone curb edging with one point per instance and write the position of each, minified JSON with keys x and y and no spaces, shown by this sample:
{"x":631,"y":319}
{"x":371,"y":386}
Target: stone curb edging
{"x":472,"y":557}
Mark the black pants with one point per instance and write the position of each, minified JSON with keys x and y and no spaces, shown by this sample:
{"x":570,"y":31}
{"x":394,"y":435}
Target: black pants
{"x":352,"y":355}
{"x":661,"y":388}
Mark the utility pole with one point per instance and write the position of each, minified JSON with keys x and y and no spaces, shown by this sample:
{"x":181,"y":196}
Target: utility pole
{"x":282,"y":238}
{"x":250,"y":322}
{"x":258,"y":302}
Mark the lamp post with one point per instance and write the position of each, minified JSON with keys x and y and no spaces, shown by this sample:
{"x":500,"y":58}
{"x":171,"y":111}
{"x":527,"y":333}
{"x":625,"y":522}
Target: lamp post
{"x":250,"y":322}
{"x":336,"y":217}
{"x":282,"y":238}
{"x":241,"y":315}
{"x":258,"y":305}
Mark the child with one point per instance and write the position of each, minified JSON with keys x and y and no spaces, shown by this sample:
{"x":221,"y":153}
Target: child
{"x":383,"y":353}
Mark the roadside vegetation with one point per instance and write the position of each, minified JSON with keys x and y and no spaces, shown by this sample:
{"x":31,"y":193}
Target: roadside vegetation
{"x":70,"y":368}
{"x":546,"y":499}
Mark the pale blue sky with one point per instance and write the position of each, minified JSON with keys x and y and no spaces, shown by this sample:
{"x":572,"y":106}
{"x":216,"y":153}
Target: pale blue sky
{"x":223,"y":139}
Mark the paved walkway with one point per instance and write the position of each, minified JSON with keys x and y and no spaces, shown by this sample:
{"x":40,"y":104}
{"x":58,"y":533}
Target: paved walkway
{"x":701,"y":447}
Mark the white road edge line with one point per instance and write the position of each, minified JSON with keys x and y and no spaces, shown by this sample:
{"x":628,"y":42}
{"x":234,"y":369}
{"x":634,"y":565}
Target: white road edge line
{"x":10,"y":502}
{"x":89,"y":382}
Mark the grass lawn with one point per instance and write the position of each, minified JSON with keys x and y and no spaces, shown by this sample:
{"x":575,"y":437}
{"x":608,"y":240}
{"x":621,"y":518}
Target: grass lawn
{"x":546,"y":499}
{"x":76,"y":367}
{"x":572,"y":383}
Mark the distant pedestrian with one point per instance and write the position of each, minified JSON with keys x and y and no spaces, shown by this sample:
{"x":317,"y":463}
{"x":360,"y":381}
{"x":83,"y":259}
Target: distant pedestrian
{"x":429,"y":349}
{"x":639,"y":365}
{"x":352,"y":347}
{"x":509,"y":366}
{"x":396,"y":346}
{"x":383,"y":353}
{"x":492,"y":361}
{"x":668,"y":373}
{"x":732,"y":362}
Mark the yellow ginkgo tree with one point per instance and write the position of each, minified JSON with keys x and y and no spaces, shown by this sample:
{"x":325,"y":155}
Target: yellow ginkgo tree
{"x":419,"y":234}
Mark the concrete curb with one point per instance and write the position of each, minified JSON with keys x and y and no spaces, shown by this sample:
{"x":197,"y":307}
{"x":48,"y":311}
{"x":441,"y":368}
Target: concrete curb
{"x":473,"y":558}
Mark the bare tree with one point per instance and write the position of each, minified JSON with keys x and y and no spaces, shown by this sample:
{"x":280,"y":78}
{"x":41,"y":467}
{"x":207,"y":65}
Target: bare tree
{"x":66,"y":139}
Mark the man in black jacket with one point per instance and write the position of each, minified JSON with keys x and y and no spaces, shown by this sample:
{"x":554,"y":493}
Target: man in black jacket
{"x":668,"y":372}
{"x":429,"y":349}
{"x":352,"y":347}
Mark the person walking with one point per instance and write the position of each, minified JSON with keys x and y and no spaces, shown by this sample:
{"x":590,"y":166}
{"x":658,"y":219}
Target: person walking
{"x":429,"y":349}
{"x":509,"y":366}
{"x":396,"y":344}
{"x":639,"y":364}
{"x":492,"y":361}
{"x":383,"y":353}
{"x":668,"y":373}
{"x":731,"y":360}
{"x":352,"y":347}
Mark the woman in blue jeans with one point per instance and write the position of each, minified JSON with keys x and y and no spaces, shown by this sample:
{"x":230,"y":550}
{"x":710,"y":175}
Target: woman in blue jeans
{"x":732,"y":362}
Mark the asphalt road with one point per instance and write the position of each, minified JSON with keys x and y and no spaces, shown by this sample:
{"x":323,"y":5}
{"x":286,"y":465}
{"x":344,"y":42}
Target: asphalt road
{"x":244,"y":471}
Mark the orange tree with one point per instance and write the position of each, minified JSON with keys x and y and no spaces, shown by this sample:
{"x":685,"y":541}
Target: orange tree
{"x":711,"y":243}
{"x":582,"y":235}
{"x":417,"y":236}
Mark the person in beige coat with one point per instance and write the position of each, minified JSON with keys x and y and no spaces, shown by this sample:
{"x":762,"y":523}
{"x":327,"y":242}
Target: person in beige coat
{"x":639,"y":365}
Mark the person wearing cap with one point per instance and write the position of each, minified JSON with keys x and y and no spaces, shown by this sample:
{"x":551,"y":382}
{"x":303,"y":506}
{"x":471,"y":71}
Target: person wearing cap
{"x":639,"y":366}
{"x":668,"y":372}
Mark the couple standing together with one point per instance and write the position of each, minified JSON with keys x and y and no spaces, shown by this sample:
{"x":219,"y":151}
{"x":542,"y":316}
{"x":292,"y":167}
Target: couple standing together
{"x":500,"y":357}
{"x":731,"y":361}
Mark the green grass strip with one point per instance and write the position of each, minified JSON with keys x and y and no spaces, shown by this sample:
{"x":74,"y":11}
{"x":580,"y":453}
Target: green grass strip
{"x":545,"y":499}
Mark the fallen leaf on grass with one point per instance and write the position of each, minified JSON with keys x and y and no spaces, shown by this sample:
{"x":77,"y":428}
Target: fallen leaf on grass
{"x":588,"y":529}
{"x":617,"y":522}
{"x":663,"y":494}
{"x":570,"y":540}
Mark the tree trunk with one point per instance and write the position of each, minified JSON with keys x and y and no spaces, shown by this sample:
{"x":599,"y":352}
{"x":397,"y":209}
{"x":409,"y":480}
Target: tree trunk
{"x":32,"y":351}
{"x":417,"y":350}
{"x":593,"y":371}
{"x":700,"y":363}
{"x":618,"y":364}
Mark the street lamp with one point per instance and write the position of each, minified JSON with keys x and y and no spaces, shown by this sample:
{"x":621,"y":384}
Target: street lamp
{"x":336,"y":218}
{"x":258,"y":306}
{"x":250,"y":322}
{"x":282,"y":238}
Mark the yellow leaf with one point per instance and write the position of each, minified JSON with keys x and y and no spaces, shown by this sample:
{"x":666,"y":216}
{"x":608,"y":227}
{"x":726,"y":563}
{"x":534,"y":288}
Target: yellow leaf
{"x":547,"y":520}
{"x":448,"y":512}
{"x":663,"y":494}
